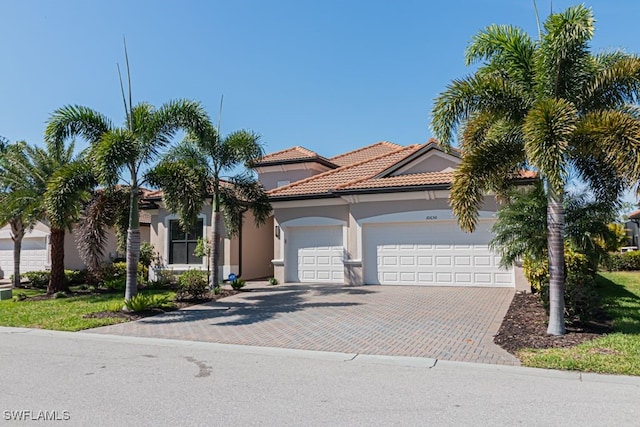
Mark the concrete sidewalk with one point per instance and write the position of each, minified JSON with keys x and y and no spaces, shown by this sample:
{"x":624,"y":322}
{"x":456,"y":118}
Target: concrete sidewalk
{"x":444,"y":323}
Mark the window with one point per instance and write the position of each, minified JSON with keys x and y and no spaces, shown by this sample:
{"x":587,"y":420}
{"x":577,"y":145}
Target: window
{"x":182,"y":245}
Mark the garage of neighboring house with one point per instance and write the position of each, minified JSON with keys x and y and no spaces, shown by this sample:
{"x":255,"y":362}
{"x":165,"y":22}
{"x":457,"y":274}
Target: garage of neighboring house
{"x":33,"y":257}
{"x":315,"y":254}
{"x":436,"y":253}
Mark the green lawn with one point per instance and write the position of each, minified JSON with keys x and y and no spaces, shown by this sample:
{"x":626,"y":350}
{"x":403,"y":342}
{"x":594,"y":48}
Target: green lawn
{"x":63,"y":314}
{"x":616,"y":353}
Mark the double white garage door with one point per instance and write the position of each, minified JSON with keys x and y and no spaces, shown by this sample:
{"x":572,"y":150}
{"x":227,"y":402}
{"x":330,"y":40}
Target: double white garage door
{"x":433,"y":254}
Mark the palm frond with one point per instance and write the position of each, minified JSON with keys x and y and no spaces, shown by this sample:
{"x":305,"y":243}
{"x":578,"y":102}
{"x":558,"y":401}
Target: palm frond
{"x":112,"y":152}
{"x":66,"y":191}
{"x":548,"y":129}
{"x":74,"y":120}
{"x":464,"y":97}
{"x":185,"y":188}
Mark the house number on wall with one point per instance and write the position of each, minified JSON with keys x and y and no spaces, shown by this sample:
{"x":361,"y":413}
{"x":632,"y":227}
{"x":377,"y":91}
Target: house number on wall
{"x":430,"y":217}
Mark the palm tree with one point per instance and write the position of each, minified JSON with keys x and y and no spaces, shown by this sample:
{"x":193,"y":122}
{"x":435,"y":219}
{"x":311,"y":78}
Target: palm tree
{"x":520,"y":230}
{"x":549,"y":104}
{"x":122,"y":153}
{"x":192,"y":173}
{"x":13,"y":211}
{"x":35,"y":176}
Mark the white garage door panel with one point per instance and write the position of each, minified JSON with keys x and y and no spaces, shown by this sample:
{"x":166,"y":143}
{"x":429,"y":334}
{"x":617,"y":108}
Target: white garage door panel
{"x":315,"y":254}
{"x":33,"y":256}
{"x":436,"y":254}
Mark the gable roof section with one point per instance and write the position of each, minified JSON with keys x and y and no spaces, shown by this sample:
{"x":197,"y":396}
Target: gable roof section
{"x":295,"y":154}
{"x":430,"y":145}
{"x":322,"y":184}
{"x":365,"y":153}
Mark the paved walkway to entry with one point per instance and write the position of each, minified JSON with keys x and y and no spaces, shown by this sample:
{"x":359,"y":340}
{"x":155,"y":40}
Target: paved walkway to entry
{"x":448,"y":323}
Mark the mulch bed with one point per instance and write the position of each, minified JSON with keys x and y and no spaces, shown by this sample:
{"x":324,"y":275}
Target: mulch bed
{"x":525,"y":326}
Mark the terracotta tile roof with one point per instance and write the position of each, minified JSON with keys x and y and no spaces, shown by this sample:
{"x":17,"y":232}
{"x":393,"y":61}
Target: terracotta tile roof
{"x":293,"y":153}
{"x":364,"y":153}
{"x":634,"y":215}
{"x":345,"y":175}
{"x":414,"y":179}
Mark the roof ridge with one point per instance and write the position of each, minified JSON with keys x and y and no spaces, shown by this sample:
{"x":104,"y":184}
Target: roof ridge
{"x":357,"y":150}
{"x":299,"y":147}
{"x":414,"y":148}
{"x":332,"y":171}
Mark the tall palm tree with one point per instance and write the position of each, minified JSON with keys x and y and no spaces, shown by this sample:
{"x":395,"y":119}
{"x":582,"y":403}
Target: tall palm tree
{"x":549,"y":104}
{"x":192,"y":174}
{"x":122,"y":153}
{"x":35,"y":176}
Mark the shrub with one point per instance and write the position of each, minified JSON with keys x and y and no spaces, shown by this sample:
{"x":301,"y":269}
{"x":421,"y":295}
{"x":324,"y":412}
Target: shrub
{"x":60,"y":294}
{"x":238,"y":284}
{"x":114,"y":270}
{"x":580,"y":294}
{"x":118,"y":284}
{"x":217,"y":290}
{"x":37,"y":279}
{"x":273,"y":281}
{"x":75,"y":277}
{"x":165,"y":277}
{"x":142,"y":302}
{"x":625,"y":261}
{"x":192,"y":284}
{"x":20,"y":296}
{"x":146,"y":254}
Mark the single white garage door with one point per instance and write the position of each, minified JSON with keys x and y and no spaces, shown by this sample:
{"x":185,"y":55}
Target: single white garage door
{"x":432,"y":254}
{"x":33,"y":256}
{"x":314,"y":254}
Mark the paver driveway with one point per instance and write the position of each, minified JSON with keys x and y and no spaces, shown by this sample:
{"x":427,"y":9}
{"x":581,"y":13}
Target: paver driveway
{"x":447,"y":323}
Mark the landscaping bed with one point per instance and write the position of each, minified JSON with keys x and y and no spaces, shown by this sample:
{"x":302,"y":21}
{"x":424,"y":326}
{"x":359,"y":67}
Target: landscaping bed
{"x":130,"y":316}
{"x":525,"y":326}
{"x":609,"y":345}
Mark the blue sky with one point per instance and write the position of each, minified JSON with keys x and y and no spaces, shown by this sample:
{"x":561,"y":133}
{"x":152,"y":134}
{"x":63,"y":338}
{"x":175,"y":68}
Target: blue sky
{"x":331,"y":75}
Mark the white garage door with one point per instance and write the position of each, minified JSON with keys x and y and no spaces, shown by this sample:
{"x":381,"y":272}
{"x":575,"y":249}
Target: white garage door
{"x":33,"y":256}
{"x":314,"y":254}
{"x":435,"y":254}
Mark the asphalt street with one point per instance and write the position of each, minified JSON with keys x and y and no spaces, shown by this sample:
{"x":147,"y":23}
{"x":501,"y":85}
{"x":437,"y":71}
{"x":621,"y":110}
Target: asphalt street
{"x":100,"y":380}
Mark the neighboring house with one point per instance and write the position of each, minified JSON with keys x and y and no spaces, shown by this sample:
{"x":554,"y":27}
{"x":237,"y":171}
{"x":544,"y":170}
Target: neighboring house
{"x":36,"y":250}
{"x":377,"y":215}
{"x":631,"y":227}
{"x":249,"y":254}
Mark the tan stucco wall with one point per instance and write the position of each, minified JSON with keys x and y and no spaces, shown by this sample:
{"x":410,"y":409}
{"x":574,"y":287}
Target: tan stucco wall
{"x":270,"y":180}
{"x":257,"y":249}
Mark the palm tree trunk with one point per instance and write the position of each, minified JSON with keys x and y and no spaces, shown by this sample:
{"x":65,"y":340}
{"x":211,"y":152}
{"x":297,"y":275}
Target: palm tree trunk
{"x":133,"y":246}
{"x":216,"y":241}
{"x":17,"y":234}
{"x":56,"y":281}
{"x":555,"y":225}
